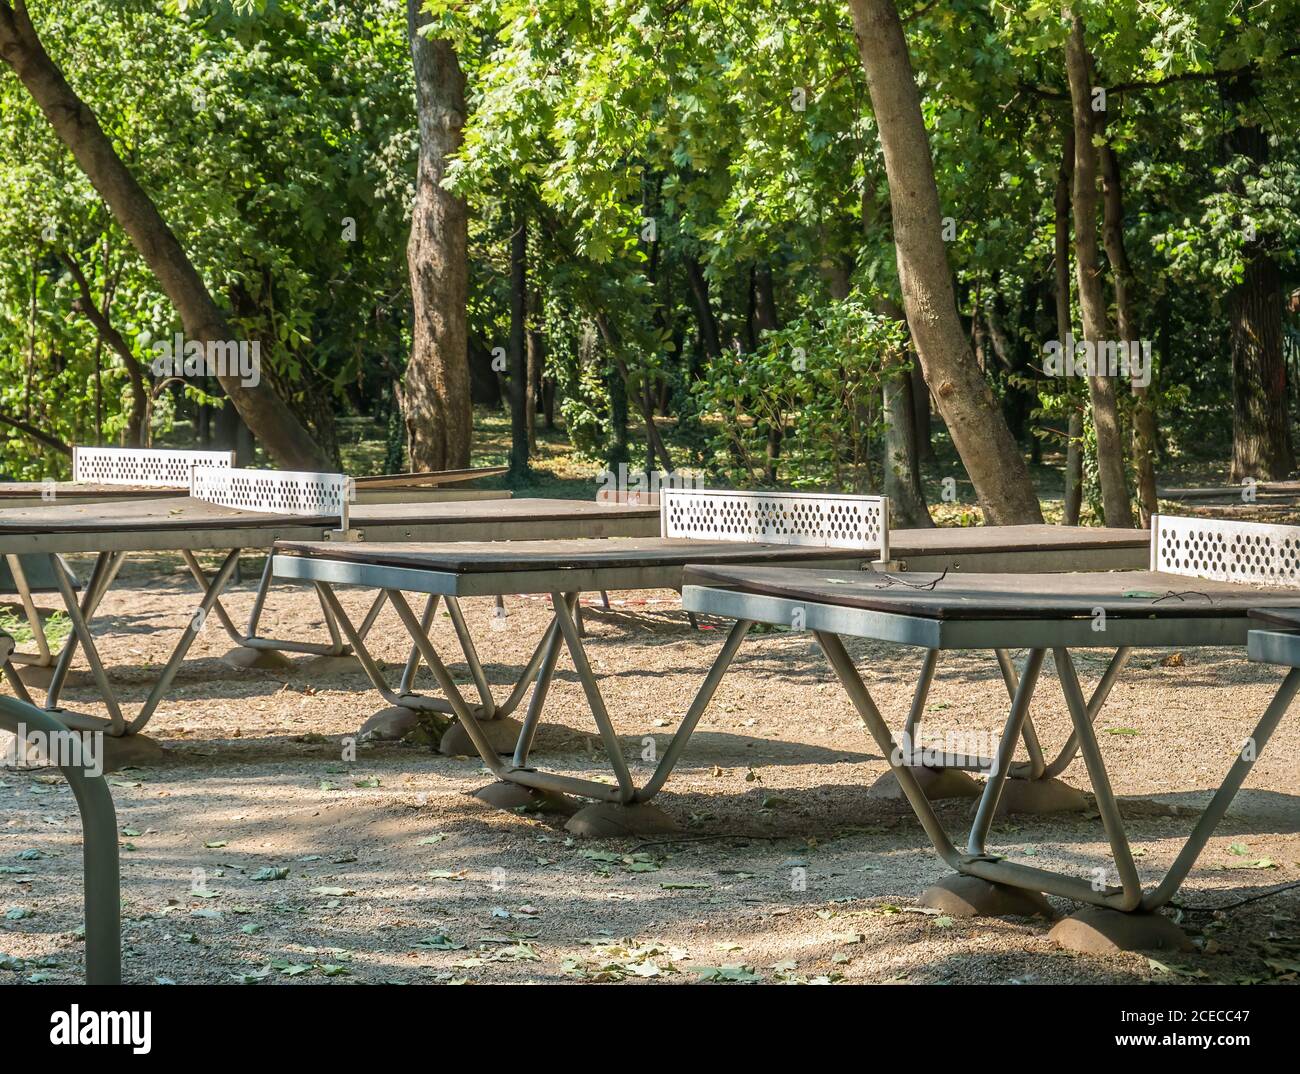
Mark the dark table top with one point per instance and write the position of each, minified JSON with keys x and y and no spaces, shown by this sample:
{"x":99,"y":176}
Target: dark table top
{"x":940,"y":540}
{"x":1123,"y":594}
{"x":184,"y":512}
{"x":466,"y":557}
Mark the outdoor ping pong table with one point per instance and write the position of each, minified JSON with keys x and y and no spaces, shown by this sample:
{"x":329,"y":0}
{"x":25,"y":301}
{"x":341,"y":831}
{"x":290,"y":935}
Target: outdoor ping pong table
{"x":1205,"y":578}
{"x":113,"y":474}
{"x":698,"y":527}
{"x":237,"y":510}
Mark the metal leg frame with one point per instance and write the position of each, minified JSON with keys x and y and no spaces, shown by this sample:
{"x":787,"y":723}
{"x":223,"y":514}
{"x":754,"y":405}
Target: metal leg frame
{"x":118,"y":725}
{"x":538,"y":673}
{"x":42,"y":657}
{"x":977,"y":861}
{"x":1036,"y":767}
{"x":405,"y":695}
{"x":250,"y":638}
{"x":99,"y":845}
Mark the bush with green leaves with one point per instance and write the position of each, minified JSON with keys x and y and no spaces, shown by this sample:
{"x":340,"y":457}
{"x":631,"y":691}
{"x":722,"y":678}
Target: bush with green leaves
{"x":816,"y":382}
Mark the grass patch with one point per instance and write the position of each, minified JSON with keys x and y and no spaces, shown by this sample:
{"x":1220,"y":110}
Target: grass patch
{"x":57,"y":627}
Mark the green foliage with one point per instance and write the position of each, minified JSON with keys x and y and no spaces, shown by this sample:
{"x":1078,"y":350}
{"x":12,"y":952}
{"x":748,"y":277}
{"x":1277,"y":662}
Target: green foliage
{"x":653,"y":149}
{"x":277,"y":139}
{"x":818,"y":380}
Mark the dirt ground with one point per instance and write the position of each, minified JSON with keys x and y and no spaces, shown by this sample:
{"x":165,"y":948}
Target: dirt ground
{"x":257,"y":852}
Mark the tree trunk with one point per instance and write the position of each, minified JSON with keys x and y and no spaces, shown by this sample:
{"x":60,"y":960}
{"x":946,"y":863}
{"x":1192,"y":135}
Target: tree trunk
{"x":518,"y":348}
{"x":920,"y":396}
{"x":1261,"y":432}
{"x":280,"y":432}
{"x":436,"y":404}
{"x":767,"y":320}
{"x":1072,"y":500}
{"x":978,"y":429}
{"x":654,"y":442}
{"x":902,"y":468}
{"x":484,"y":381}
{"x":618,"y":445}
{"x":536,"y":360}
{"x":710,"y":339}
{"x":1144,"y":419}
{"x":902,"y":474}
{"x":1092,"y":297}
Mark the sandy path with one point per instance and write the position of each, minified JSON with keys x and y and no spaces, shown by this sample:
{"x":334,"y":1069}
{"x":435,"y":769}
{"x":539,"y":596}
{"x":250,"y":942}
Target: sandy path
{"x":394,"y":873}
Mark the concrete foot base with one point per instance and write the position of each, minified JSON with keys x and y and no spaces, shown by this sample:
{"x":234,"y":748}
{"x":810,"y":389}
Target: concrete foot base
{"x":35,"y":676}
{"x":517,"y":799}
{"x":609,"y":820}
{"x":322,"y":667}
{"x":389,"y":725}
{"x":1098,"y":930}
{"x":937,"y":783}
{"x":502,"y":733}
{"x":242,"y":658}
{"x":1041,"y":796}
{"x":971,"y":896}
{"x":131,"y":751}
{"x":113,"y":754}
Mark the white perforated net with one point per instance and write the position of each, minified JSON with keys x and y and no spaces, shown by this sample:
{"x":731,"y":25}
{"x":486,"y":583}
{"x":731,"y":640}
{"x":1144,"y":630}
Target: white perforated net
{"x":1227,"y":551}
{"x":286,"y":492}
{"x":149,"y":467}
{"x":817,"y":519}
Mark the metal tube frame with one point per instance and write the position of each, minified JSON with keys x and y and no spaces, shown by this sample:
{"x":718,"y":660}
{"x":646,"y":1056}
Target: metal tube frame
{"x":102,"y":879}
{"x":537,"y":673}
{"x":1036,"y":767}
{"x":977,"y":861}
{"x":104,"y":573}
{"x":117,"y":724}
{"x":251,"y":638}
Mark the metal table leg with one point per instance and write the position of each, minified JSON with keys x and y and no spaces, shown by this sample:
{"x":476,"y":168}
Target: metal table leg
{"x":977,"y":861}
{"x":250,"y":639}
{"x":117,"y":724}
{"x":538,"y":674}
{"x":99,"y":838}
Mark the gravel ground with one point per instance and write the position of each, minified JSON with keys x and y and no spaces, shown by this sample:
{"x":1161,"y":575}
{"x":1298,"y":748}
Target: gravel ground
{"x":260,"y":850}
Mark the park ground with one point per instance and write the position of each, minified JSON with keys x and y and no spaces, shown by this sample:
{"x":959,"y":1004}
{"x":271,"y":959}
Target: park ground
{"x":257,"y":851}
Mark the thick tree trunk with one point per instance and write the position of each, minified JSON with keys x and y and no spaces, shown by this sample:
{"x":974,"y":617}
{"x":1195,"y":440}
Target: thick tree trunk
{"x":435,"y":399}
{"x":280,"y":432}
{"x":1144,"y":419}
{"x":518,"y":348}
{"x":1092,"y":297}
{"x":1073,"y":494}
{"x":1261,"y":431}
{"x":979,"y":431}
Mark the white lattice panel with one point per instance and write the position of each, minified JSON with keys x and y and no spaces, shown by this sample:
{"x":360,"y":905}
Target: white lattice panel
{"x":1221,"y":550}
{"x":823,"y":520}
{"x":150,"y":467}
{"x":283,"y":492}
